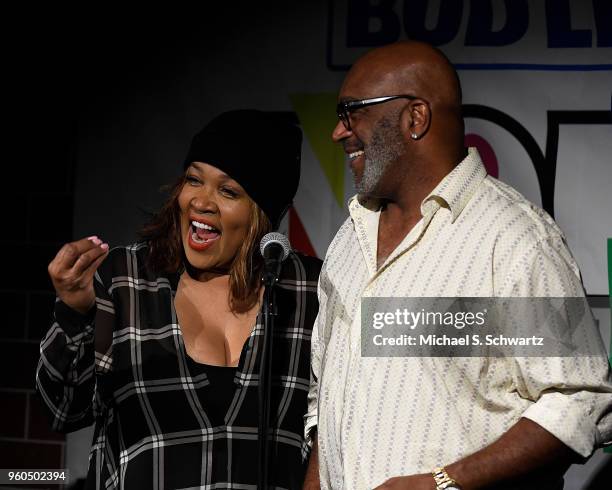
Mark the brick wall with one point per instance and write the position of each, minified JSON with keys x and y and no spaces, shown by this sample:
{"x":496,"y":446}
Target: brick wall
{"x":37,"y":208}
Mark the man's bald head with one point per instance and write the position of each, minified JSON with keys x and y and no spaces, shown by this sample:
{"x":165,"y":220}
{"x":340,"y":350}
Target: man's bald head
{"x":408,"y":67}
{"x":399,"y":145}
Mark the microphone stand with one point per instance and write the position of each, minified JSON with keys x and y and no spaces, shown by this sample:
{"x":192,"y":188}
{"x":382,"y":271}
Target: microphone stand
{"x":265,"y":383}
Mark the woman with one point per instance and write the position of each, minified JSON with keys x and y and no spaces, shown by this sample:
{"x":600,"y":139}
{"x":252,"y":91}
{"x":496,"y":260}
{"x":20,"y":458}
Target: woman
{"x":159,"y":343}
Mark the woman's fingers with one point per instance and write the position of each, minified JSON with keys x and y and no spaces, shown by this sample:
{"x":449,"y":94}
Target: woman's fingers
{"x":73,"y":268}
{"x":88,"y":273}
{"x":70,"y":253}
{"x":88,"y":257}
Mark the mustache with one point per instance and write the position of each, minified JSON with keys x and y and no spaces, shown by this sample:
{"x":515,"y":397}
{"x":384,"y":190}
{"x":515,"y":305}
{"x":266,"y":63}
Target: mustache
{"x":351,"y":147}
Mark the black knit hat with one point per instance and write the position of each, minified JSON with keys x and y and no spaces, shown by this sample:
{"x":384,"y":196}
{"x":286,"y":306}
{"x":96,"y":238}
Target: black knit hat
{"x":257,"y":150}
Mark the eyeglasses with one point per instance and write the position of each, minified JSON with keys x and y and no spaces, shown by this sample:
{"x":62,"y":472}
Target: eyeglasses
{"x":345,"y":108}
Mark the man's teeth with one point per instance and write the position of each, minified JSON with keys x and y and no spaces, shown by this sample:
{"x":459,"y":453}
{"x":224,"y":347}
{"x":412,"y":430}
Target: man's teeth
{"x":355,"y":154}
{"x":203,"y":226}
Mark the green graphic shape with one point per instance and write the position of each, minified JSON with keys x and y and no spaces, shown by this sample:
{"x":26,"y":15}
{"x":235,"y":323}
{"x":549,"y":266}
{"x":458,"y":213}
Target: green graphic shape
{"x":317,"y":116}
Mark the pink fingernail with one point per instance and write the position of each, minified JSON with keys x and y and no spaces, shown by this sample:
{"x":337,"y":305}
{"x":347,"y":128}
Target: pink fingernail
{"x":92,"y":237}
{"x":104,"y":246}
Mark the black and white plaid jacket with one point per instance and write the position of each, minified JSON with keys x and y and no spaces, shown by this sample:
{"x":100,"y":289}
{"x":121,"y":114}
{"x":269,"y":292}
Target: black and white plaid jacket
{"x":125,"y":369}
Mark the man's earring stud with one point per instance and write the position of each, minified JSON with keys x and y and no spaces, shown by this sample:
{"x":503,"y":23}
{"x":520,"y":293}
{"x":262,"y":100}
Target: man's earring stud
{"x":414,"y":136}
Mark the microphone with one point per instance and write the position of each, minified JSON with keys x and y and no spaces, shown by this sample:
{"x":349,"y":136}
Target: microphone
{"x":274,"y":248}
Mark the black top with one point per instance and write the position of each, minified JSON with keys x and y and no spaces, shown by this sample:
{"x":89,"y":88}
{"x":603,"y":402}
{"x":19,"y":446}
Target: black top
{"x":159,"y":420}
{"x":220,"y":393}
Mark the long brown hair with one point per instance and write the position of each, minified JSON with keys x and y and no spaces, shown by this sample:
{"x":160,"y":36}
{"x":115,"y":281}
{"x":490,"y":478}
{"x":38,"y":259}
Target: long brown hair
{"x":166,"y":254}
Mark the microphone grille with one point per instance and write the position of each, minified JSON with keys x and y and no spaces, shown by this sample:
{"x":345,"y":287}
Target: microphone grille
{"x":275,"y":237}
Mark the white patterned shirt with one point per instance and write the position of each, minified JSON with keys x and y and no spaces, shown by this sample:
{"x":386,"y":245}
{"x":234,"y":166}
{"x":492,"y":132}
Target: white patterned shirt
{"x":390,"y":416}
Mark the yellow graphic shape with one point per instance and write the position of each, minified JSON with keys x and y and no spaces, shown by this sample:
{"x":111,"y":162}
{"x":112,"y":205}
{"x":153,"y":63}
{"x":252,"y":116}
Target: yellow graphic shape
{"x":317,"y":115}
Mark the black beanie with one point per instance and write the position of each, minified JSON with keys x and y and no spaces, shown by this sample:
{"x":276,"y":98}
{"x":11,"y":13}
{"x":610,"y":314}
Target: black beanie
{"x":257,"y":150}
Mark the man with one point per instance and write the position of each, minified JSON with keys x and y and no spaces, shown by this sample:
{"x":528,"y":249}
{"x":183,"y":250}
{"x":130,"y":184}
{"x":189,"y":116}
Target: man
{"x":428,"y":222}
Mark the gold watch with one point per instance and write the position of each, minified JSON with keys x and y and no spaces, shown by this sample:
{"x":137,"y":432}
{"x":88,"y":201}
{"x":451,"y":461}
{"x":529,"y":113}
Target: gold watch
{"x":443,"y":481}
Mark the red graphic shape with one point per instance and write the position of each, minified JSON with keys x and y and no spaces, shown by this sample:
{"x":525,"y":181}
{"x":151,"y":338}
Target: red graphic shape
{"x":486,"y":152}
{"x":298,"y":236}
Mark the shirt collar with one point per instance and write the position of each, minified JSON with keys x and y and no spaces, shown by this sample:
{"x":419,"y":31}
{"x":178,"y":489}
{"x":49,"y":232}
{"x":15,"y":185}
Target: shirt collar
{"x":454,"y":191}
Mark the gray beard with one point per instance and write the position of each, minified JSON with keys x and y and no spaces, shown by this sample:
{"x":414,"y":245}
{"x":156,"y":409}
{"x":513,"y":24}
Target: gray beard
{"x":386,"y":147}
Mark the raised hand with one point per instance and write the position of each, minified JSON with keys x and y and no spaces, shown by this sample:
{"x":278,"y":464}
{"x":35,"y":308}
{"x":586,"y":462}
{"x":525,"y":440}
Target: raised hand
{"x":72,"y":271}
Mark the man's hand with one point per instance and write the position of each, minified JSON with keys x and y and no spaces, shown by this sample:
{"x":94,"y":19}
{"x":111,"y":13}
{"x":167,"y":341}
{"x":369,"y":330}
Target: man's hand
{"x":527,"y":455}
{"x":311,"y":480}
{"x":413,"y":482}
{"x":72,"y":271}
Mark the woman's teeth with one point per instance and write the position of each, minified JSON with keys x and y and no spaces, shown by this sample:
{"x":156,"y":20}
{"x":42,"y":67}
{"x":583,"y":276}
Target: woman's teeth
{"x":203,"y":233}
{"x":195,"y":238}
{"x":355,"y":154}
{"x":203,"y":226}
